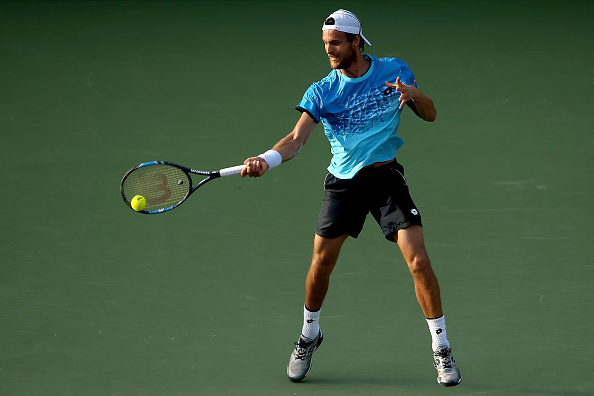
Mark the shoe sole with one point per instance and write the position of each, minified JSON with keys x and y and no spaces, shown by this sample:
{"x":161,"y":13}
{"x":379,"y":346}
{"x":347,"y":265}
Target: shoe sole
{"x":449,"y":384}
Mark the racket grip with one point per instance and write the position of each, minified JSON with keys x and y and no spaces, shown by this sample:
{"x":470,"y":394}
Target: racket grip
{"x":234,"y":170}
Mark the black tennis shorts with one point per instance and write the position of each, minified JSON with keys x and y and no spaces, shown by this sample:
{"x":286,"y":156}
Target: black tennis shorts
{"x":381,"y":191}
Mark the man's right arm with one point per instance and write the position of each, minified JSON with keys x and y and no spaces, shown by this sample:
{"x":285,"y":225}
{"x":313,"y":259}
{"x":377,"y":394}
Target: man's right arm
{"x":288,"y":147}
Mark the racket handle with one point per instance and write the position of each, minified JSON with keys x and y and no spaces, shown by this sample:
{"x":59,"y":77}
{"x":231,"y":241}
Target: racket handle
{"x":234,"y":170}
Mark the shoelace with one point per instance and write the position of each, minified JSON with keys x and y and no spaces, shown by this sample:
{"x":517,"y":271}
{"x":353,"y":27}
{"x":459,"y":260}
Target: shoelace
{"x":302,"y":349}
{"x":445,"y":357}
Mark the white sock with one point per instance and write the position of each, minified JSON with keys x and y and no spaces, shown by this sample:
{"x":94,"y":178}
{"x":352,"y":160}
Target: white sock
{"x":437,"y":327}
{"x":311,"y":323}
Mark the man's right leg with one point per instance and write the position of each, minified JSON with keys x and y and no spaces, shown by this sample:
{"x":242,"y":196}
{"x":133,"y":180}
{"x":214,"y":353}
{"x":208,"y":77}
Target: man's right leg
{"x":324,"y":259}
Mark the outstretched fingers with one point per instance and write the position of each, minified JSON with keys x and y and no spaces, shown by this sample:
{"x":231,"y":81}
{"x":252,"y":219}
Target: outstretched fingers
{"x":405,"y":91}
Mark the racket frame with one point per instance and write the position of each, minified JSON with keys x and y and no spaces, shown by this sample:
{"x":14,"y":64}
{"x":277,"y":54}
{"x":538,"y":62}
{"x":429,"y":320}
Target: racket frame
{"x":188,"y":171}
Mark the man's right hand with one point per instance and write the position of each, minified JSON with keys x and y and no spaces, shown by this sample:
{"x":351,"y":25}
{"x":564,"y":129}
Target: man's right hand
{"x":254,"y":167}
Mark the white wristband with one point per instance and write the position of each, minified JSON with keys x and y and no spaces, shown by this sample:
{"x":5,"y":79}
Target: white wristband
{"x":272,"y":157}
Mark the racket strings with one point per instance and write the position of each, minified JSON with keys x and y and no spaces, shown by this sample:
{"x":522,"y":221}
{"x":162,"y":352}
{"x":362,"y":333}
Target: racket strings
{"x":162,"y":186}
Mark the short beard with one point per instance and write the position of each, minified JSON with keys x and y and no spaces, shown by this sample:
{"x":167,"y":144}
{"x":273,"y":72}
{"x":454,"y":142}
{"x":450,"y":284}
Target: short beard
{"x":346,"y":62}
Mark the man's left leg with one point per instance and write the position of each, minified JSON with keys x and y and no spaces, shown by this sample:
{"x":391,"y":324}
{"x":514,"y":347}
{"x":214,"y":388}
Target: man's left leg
{"x":412,"y":244}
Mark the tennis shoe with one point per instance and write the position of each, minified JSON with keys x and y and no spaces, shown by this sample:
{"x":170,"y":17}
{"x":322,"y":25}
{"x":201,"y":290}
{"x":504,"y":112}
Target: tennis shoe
{"x":300,"y":362}
{"x":447,"y":371}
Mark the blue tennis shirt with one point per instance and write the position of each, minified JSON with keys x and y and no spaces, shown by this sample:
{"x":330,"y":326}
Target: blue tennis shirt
{"x":360,"y":115}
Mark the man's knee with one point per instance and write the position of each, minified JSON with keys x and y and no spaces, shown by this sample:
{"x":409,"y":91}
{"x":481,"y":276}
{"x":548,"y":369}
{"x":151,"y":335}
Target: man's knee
{"x":322,"y":261}
{"x":325,"y":253}
{"x":419,"y":264}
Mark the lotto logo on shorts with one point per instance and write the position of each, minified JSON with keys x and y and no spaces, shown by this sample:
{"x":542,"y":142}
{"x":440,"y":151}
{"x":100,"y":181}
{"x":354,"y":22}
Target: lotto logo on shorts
{"x":415,"y":212}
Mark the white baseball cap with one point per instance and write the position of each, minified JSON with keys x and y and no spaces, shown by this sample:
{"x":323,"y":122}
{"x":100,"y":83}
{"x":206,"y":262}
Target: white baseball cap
{"x":345,"y":21}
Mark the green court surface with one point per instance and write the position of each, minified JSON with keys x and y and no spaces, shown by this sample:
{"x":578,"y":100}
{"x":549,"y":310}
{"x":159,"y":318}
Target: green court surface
{"x":207,"y":299}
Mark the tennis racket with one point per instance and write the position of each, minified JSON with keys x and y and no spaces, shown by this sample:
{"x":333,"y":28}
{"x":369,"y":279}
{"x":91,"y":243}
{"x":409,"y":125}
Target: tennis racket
{"x":165,"y":185}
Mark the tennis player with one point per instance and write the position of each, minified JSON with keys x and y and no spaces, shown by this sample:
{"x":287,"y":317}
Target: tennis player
{"x":359,"y":104}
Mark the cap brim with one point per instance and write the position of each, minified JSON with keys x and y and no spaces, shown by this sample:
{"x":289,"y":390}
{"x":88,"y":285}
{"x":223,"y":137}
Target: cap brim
{"x":364,"y":39}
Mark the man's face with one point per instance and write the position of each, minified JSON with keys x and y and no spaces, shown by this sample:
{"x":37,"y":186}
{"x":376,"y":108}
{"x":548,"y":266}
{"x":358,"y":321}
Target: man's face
{"x":339,"y":50}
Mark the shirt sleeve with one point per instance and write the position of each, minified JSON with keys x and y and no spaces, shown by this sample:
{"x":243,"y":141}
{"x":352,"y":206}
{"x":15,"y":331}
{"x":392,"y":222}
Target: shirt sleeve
{"x":311,"y":103}
{"x":399,"y":68}
{"x":406,"y":75}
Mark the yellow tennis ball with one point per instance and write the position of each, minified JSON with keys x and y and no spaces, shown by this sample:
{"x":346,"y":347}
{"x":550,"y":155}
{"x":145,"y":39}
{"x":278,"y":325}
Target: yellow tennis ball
{"x":138,"y":203}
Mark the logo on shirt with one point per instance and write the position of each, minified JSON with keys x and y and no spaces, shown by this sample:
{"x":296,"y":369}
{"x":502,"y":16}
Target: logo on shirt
{"x":388,"y":91}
